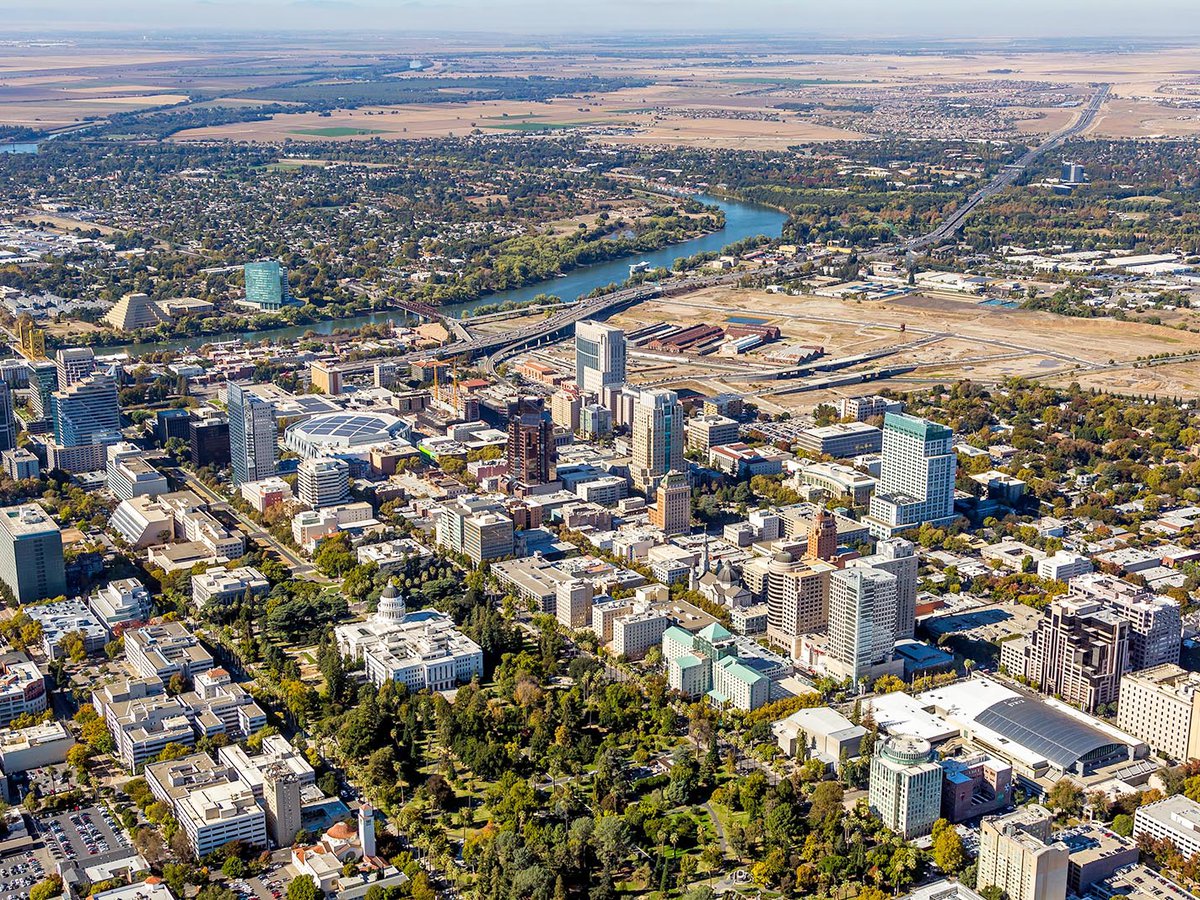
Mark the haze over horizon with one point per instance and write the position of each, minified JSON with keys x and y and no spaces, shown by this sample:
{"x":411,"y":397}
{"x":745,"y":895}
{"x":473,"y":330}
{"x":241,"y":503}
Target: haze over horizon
{"x":934,"y":19}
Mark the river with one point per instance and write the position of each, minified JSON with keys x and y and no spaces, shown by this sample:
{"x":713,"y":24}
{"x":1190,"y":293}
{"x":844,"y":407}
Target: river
{"x":742,"y":220}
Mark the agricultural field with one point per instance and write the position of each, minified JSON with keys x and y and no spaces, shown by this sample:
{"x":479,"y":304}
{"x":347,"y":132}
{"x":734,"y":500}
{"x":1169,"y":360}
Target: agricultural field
{"x":722,"y":99}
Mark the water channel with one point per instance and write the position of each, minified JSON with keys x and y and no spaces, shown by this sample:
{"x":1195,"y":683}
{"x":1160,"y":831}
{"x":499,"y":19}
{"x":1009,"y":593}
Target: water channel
{"x":742,"y":220}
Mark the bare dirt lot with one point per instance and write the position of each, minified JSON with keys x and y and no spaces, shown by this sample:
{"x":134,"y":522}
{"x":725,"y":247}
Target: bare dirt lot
{"x":943,"y":339}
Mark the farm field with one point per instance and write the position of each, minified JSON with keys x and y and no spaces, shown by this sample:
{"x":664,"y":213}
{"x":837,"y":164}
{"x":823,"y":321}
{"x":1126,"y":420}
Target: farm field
{"x":720,"y":100}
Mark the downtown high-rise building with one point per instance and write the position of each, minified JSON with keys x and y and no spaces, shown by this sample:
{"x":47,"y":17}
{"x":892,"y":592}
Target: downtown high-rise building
{"x":323,"y":481}
{"x":1078,"y":652}
{"x":916,"y":476}
{"x":8,"y":419}
{"x":899,"y":557}
{"x":43,"y":382}
{"x":657,"y":438}
{"x":906,"y":785}
{"x":1018,"y":855}
{"x":531,"y":450}
{"x":822,"y":537}
{"x":599,"y":356}
{"x":31,"y":554}
{"x":253,"y":435}
{"x":672,"y":509}
{"x":74,"y":364}
{"x":86,"y":412}
{"x":862,"y":624}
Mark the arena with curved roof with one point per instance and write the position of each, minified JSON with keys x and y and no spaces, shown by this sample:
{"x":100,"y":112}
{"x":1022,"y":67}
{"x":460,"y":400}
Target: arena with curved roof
{"x":1042,"y":738}
{"x":330,"y":433}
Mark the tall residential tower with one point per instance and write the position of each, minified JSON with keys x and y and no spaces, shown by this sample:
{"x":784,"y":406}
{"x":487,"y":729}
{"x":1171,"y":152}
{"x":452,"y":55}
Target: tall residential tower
{"x":253,"y":435}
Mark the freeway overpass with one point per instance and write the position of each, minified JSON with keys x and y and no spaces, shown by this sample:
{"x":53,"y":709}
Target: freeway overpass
{"x":495,"y":348}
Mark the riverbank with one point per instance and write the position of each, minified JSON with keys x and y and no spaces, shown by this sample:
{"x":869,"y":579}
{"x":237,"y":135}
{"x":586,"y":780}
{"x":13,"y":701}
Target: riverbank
{"x":742,"y":221}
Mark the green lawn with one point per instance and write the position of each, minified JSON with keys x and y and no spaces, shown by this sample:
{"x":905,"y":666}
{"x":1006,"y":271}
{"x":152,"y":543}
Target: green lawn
{"x":335,"y":131}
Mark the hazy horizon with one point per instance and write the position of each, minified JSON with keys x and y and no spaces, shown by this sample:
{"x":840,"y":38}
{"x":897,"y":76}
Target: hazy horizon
{"x":863,"y":19}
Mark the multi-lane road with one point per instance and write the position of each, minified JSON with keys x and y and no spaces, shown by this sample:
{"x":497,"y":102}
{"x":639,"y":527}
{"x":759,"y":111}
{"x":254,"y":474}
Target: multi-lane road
{"x":497,"y":347}
{"x":1006,"y":177}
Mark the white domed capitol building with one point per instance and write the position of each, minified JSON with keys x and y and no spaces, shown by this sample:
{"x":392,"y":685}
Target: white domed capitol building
{"x":422,"y":649}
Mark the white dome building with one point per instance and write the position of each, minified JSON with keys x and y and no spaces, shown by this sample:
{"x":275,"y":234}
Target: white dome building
{"x":332,"y":433}
{"x":391,"y":606}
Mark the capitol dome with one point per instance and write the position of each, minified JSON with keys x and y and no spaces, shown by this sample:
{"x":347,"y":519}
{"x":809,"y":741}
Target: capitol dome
{"x":391,"y":606}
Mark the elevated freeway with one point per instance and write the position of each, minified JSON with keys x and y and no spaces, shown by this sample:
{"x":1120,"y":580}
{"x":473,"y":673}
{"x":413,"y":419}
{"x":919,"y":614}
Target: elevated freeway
{"x":495,"y":348}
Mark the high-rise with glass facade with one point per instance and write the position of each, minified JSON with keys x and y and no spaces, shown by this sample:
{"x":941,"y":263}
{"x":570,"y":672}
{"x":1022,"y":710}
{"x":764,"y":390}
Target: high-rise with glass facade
{"x":31,"y":554}
{"x":86,"y":412}
{"x":253,"y":435}
{"x":43,"y":382}
{"x":657,"y":437}
{"x":266,"y":284}
{"x":8,"y":419}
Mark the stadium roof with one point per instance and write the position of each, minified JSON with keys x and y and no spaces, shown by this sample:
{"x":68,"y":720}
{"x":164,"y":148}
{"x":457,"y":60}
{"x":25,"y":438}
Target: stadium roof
{"x":1061,"y":739}
{"x":341,"y":430}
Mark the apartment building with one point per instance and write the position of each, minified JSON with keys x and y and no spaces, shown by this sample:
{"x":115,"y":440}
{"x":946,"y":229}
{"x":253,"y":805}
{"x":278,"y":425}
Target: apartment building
{"x":1018,"y":855}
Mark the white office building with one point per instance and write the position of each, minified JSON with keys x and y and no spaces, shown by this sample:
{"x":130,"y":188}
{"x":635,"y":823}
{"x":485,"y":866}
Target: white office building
{"x":599,"y":356}
{"x":916,"y":477}
{"x":906,"y":785}
{"x":635,"y":632}
{"x":213,"y":816}
{"x":1063,"y":566}
{"x":129,"y":475}
{"x":1176,"y":819}
{"x":120,"y":603}
{"x":862,"y":624}
{"x":1161,"y":705}
{"x":323,"y":481}
{"x":166,"y":649}
{"x":897,"y":557}
{"x":224,"y":586}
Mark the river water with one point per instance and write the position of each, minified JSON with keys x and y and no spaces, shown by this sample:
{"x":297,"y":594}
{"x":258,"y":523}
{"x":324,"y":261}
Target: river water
{"x":742,"y":220}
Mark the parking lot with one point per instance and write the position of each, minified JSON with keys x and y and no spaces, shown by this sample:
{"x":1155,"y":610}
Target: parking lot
{"x":18,"y":872}
{"x":87,"y":835}
{"x":268,"y":886}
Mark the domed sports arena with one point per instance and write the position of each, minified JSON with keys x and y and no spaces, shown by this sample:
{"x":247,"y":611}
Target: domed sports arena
{"x":331,"y":433}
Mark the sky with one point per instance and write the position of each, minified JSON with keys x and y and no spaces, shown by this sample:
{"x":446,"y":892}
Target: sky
{"x":844,"y":18}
